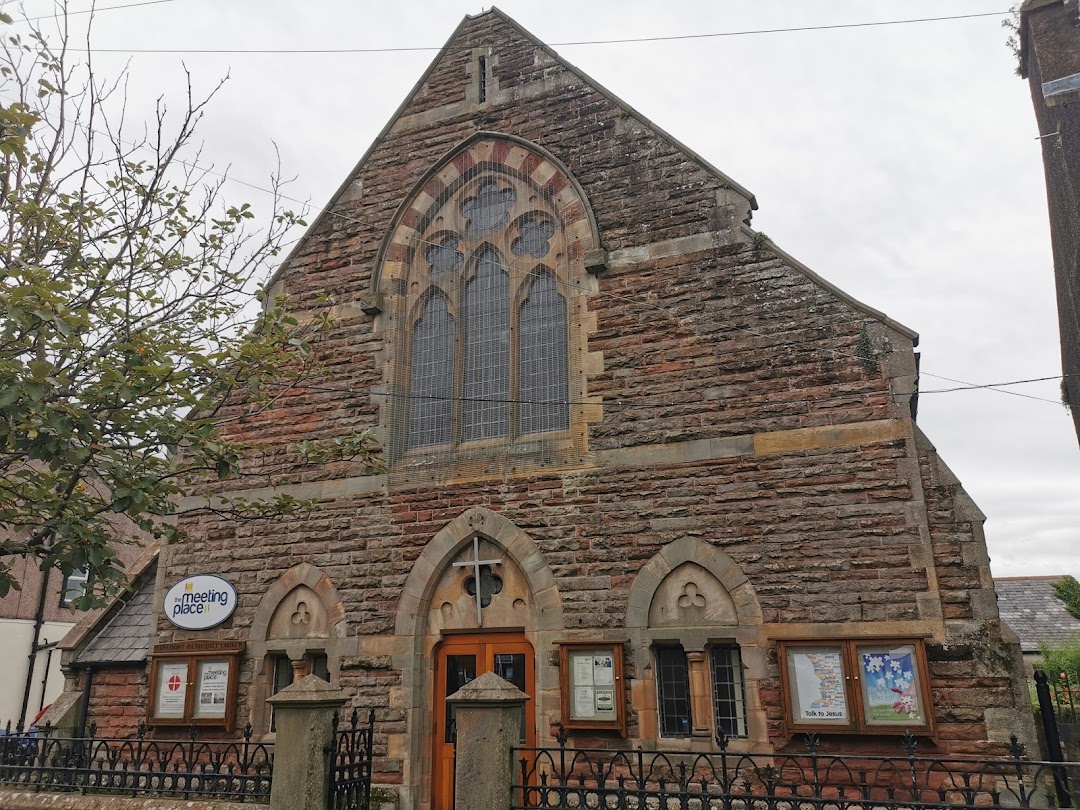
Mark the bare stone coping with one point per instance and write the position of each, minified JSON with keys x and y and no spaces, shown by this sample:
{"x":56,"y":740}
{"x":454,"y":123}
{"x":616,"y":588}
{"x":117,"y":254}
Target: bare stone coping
{"x":22,"y":800}
{"x":488,"y":690}
{"x":311,"y":691}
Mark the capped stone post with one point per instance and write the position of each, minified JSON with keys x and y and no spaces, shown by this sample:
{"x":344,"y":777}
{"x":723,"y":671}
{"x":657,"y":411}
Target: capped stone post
{"x":488,"y":719}
{"x":304,"y":716}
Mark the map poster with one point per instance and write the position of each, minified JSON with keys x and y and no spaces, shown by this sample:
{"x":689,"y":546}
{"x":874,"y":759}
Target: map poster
{"x":213,"y":681}
{"x":890,"y":684}
{"x":817,"y":684}
{"x":171,"y":689}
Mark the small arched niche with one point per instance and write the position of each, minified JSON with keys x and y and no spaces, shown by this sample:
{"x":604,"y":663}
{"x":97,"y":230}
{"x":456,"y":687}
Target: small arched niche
{"x":693,"y":620}
{"x":691,"y":596}
{"x":298,"y":629}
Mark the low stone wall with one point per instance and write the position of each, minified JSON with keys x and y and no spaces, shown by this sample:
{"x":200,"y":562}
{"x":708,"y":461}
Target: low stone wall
{"x":24,"y":800}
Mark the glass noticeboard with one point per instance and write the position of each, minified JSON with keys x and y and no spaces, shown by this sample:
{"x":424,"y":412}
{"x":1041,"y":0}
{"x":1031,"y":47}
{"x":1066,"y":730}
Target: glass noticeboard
{"x":845,"y":686}
{"x":591,"y":685}
{"x":194,"y":682}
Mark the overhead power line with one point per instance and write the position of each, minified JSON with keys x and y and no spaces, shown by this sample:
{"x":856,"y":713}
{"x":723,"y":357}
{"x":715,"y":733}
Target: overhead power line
{"x":964,"y":385}
{"x":569,"y":43}
{"x":59,"y":13}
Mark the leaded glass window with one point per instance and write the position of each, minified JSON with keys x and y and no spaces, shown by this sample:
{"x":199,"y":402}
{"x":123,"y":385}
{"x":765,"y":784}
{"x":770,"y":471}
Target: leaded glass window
{"x":486,"y":385}
{"x":431,"y":386}
{"x":486,"y":320}
{"x":542,"y":371}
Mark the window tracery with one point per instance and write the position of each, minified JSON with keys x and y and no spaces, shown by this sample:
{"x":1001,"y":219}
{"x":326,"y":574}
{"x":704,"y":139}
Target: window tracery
{"x":489,"y":335}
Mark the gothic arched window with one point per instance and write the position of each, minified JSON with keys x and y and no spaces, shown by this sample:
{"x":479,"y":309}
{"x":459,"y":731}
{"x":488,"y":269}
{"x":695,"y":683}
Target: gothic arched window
{"x":488,"y":329}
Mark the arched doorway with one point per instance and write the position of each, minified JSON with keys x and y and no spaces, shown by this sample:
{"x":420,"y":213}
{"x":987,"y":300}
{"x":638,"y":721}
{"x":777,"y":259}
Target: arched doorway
{"x":480,"y":598}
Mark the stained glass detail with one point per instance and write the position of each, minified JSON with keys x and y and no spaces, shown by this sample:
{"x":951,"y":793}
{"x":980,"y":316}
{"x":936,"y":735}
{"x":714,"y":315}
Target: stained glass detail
{"x":431,"y":384}
{"x":488,"y":211}
{"x":444,"y":256}
{"x":486,"y":387}
{"x":542,"y":361}
{"x":533,"y":238}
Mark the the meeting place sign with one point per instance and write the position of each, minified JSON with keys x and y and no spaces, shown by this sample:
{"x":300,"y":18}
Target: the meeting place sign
{"x":200,"y":602}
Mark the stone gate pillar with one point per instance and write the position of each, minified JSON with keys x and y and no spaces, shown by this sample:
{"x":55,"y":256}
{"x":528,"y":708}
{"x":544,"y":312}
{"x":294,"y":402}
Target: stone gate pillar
{"x":304,"y":714}
{"x":488,"y":714}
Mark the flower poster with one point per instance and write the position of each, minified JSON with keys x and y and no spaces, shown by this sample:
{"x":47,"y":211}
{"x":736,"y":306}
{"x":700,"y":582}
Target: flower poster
{"x":891,"y":690}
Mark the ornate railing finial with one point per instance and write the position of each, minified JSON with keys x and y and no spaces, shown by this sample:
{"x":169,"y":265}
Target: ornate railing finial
{"x":910,"y":743}
{"x":561,"y":736}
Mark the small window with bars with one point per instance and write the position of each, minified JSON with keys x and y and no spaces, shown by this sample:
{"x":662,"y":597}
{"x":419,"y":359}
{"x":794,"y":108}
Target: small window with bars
{"x":673,"y":685}
{"x":675,"y":697}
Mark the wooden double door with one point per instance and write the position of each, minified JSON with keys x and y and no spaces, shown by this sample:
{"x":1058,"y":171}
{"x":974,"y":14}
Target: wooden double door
{"x":458,"y":660}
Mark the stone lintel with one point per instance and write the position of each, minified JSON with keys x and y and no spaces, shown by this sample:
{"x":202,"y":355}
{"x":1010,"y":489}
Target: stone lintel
{"x":488,"y":690}
{"x":311,"y":691}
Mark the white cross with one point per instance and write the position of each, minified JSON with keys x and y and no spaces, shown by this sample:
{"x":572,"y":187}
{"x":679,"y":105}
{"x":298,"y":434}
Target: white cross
{"x":475,"y":564}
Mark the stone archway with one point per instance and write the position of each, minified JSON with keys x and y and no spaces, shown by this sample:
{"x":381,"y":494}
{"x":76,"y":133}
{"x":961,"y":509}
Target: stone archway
{"x":693,"y":595}
{"x":541,"y":619}
{"x":300,"y":616}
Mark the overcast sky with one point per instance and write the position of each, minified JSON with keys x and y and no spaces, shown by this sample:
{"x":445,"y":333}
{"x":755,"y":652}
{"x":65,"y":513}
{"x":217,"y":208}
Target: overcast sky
{"x":899,"y":162}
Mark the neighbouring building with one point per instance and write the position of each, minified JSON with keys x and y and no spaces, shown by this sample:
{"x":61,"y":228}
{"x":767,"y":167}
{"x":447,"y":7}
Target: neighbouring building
{"x":1034,"y":612}
{"x":33,"y":620}
{"x":1050,"y":61}
{"x":42,"y":604}
{"x":640,"y":462}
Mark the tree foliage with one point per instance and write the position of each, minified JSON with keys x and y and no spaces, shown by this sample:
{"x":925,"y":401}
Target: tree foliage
{"x":1067,"y":589}
{"x":125,"y":318}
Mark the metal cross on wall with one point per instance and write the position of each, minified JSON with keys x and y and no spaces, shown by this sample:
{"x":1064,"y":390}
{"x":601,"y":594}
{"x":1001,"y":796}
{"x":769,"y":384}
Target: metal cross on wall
{"x":475,"y":564}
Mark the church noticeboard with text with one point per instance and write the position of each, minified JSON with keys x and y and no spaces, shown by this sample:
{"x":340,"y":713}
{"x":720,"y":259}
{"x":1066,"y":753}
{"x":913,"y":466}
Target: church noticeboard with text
{"x":194,"y":682}
{"x":850,"y":686}
{"x":592,"y":685}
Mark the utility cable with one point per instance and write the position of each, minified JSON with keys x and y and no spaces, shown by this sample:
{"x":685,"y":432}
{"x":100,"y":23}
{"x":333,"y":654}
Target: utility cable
{"x":966,"y":385}
{"x":570,"y":43}
{"x":61,"y":14}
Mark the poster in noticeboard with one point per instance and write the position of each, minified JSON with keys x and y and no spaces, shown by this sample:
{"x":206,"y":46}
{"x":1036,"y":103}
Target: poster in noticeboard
{"x":171,"y":689}
{"x":817,"y":685}
{"x":891,"y":688}
{"x":213,"y":688}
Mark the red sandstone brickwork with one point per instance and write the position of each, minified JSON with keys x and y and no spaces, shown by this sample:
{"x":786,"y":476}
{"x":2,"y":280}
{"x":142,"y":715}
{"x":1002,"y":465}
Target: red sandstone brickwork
{"x":729,"y":341}
{"x":118,"y":700}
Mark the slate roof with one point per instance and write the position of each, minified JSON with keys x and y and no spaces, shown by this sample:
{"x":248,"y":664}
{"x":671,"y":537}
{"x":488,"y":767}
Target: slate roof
{"x":125,"y":639}
{"x":1028,"y":605}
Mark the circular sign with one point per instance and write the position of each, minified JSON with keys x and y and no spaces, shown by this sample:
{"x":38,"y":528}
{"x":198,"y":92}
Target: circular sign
{"x":200,"y":602}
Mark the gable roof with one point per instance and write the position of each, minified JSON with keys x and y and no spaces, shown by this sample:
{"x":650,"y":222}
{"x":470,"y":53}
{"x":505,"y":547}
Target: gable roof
{"x":1030,"y":607}
{"x":125,"y":639}
{"x":328,"y":209}
{"x":505,"y":18}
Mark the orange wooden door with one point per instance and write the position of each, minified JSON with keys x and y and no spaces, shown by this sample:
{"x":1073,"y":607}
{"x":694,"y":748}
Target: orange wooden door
{"x":459,"y":660}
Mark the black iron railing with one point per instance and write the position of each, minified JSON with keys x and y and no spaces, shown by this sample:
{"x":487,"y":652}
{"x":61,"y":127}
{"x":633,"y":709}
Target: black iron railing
{"x":562,"y":778}
{"x":349,"y":758}
{"x":237,"y":770}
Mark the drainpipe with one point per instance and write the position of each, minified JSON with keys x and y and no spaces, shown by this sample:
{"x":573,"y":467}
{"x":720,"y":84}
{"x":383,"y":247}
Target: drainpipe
{"x":49,"y":646}
{"x":39,"y":620}
{"x":84,"y":708}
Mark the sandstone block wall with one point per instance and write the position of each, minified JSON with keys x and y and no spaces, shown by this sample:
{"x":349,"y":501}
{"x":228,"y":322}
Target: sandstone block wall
{"x":781,"y":430}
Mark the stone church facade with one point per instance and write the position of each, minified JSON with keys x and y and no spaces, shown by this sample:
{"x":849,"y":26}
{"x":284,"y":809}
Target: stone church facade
{"x":616,"y":420}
